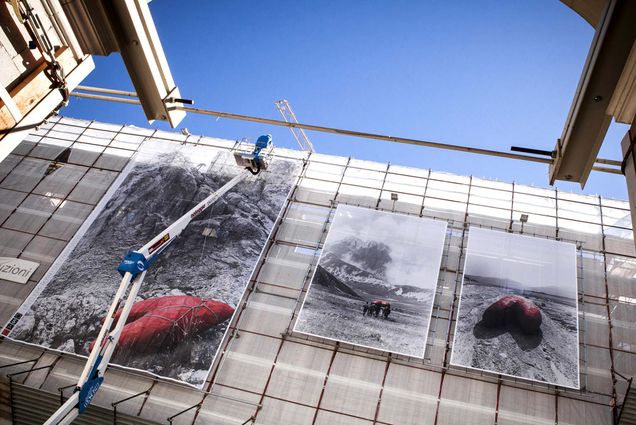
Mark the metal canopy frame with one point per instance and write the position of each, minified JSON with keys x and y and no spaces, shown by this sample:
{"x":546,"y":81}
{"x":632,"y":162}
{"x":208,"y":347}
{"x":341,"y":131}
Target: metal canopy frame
{"x":589,"y":119}
{"x":127,"y":26}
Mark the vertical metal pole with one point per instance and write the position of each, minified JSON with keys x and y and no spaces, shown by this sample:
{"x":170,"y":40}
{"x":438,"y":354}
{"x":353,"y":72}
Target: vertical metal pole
{"x":11,"y":400}
{"x":458,"y":283}
{"x":498,"y":394}
{"x":580,"y":278}
{"x":386,"y":172}
{"x":269,"y":378}
{"x":377,"y":407}
{"x":307,"y":277}
{"x":608,"y":312}
{"x":512,"y":206}
{"x":147,"y":396}
{"x":253,"y":282}
{"x":324,"y":382}
{"x":428,"y":180}
{"x":556,"y":212}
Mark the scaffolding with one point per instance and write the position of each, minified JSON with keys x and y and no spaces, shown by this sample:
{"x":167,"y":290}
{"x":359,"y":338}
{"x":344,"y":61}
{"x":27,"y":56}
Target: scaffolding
{"x":299,"y":134}
{"x":261,"y":363}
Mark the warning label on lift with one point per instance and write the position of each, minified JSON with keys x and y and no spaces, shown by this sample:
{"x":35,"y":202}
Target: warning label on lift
{"x":155,"y":246}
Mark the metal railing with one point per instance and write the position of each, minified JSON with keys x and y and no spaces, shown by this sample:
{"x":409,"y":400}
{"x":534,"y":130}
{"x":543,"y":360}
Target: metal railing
{"x":118,"y":402}
{"x":12,"y":375}
{"x":618,"y":409}
{"x":196,"y":406}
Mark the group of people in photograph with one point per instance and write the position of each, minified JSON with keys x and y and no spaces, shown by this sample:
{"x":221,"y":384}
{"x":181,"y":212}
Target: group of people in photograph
{"x":377,"y":309}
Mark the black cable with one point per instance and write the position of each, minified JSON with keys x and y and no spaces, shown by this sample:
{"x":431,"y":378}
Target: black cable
{"x":258,"y":169}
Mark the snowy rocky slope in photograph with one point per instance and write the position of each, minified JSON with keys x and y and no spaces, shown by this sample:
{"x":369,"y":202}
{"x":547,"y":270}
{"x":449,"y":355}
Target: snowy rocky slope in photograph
{"x":367,"y":277}
{"x":213,"y":258}
{"x":550,"y":356}
{"x":360,"y":267}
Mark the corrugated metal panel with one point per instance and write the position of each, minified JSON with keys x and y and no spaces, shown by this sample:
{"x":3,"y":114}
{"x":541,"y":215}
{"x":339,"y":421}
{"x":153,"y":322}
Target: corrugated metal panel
{"x":628,"y":414}
{"x":32,"y":406}
{"x":5,"y":401}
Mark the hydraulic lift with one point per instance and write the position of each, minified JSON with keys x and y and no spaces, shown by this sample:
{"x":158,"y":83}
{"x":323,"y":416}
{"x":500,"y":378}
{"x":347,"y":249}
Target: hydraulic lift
{"x":133,"y":270}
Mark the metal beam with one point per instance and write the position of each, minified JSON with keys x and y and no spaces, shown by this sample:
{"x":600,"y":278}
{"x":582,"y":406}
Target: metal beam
{"x":588,"y":120}
{"x":146,"y":61}
{"x":352,"y":133}
{"x":590,"y":10}
{"x":127,"y":26}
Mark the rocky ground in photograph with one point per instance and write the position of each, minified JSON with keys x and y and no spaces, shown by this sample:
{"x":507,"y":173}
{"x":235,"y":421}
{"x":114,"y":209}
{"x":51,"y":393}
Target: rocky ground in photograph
{"x":351,"y":273}
{"x":339,"y":317}
{"x":67,"y":315}
{"x":550,"y":356}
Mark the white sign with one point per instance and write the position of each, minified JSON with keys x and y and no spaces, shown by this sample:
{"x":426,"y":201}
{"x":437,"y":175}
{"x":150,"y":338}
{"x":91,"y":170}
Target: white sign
{"x":16,"y":270}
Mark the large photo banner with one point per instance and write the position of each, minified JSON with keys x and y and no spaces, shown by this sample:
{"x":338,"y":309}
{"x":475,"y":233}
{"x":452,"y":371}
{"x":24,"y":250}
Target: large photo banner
{"x":374,"y":284}
{"x":191,"y":292}
{"x":518,"y":313}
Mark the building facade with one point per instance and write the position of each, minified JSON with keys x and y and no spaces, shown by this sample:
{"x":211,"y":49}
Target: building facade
{"x":264,"y":372}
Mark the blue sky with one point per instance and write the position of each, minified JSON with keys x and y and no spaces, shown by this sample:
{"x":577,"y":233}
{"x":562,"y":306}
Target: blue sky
{"x":489,"y":74}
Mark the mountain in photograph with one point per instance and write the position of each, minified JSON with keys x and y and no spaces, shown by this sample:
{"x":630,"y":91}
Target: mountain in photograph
{"x":371,"y":256}
{"x":366,"y":276}
{"x":332,"y":283}
{"x":350,"y":273}
{"x":213,"y":258}
{"x":519,"y":288}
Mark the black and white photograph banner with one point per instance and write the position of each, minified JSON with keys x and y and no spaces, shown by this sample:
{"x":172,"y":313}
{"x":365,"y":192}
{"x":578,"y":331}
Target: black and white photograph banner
{"x":518,"y":313}
{"x":374,"y":284}
{"x":190,"y":293}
